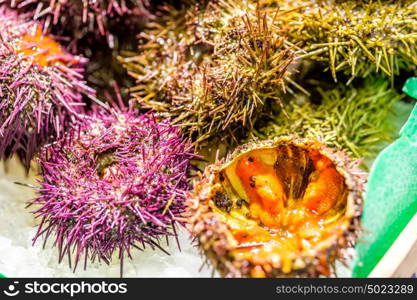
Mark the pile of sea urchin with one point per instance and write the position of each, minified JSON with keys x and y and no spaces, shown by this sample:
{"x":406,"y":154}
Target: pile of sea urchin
{"x":316,"y":81}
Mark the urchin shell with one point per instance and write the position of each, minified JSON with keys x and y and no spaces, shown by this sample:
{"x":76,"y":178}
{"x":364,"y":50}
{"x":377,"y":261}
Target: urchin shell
{"x":215,"y":238}
{"x":212,"y":69}
{"x":41,"y":86}
{"x":115,"y":182}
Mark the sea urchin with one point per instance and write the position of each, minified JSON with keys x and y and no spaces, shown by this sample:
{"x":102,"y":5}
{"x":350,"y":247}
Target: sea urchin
{"x":351,"y":118}
{"x":78,"y":17}
{"x":41,"y":86}
{"x":115,"y":182}
{"x":212,"y":68}
{"x":282,"y":207}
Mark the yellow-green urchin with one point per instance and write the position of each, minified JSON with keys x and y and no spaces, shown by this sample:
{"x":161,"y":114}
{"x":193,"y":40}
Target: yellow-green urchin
{"x":351,"y":118}
{"x":279,"y":208}
{"x":212,"y":68}
{"x":354,"y":37}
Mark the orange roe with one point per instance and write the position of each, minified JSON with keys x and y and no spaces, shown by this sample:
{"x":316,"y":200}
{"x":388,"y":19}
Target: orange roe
{"x":42,"y":49}
{"x":285,"y":227}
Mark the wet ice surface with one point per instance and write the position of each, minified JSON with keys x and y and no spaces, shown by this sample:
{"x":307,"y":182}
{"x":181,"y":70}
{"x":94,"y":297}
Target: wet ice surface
{"x":20,"y":259}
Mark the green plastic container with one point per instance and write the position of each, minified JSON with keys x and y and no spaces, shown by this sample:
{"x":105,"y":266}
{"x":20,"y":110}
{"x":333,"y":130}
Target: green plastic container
{"x":391,"y":195}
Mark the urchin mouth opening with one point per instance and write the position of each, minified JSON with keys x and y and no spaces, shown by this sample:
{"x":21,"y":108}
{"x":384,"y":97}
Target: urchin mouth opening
{"x":284,"y":201}
{"x":104,"y":161}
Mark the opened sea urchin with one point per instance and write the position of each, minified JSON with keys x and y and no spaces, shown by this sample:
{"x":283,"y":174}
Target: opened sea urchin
{"x":278,"y":208}
{"x":115,"y":182}
{"x":41,"y":86}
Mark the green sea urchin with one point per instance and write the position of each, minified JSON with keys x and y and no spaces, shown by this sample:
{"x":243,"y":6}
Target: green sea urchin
{"x":351,"y":118}
{"x":212,"y":69}
{"x":353,"y":37}
{"x":76,"y":18}
{"x":115,"y":182}
{"x":41,"y":86}
{"x":282,"y":207}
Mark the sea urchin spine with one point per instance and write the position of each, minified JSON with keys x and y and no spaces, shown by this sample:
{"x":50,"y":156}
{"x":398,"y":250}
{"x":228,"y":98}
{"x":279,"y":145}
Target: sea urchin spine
{"x":115,"y":182}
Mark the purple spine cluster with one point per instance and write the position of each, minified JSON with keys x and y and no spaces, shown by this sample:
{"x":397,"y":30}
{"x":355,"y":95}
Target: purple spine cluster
{"x":37,"y":101}
{"x":115,"y":182}
{"x":86,"y":15}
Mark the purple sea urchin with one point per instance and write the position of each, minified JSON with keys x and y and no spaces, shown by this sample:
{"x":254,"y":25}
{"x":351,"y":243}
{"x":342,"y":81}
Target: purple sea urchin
{"x":279,"y":208}
{"x":41,"y":86}
{"x":117,"y":181}
{"x":97,"y":29}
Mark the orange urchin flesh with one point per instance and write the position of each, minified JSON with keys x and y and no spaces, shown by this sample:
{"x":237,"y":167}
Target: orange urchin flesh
{"x":284,"y":207}
{"x":43,"y":50}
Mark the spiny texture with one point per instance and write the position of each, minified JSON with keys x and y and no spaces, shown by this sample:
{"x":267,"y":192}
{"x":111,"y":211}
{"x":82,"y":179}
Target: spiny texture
{"x":350,"y":118}
{"x":210,"y":68}
{"x":79,"y":17}
{"x":353,"y":37}
{"x":41,"y":87}
{"x":117,"y":181}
